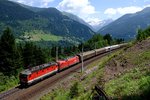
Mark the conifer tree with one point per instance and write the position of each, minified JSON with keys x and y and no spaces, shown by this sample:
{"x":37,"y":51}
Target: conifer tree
{"x":40,"y":55}
{"x":33,"y":55}
{"x":10,"y":59}
{"x":108,"y":38}
{"x":28,"y":55}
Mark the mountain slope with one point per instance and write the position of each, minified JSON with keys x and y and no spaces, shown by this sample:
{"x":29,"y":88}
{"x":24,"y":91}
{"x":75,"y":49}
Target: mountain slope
{"x":71,"y":16}
{"x":10,"y":11}
{"x":102,"y":24}
{"x":49,"y":20}
{"x":126,"y":26}
{"x":61,"y":24}
{"x":76,"y":18}
{"x":34,"y":9}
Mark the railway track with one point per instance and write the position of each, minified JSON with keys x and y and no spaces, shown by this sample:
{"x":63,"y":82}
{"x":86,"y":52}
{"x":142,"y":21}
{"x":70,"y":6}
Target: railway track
{"x":44,"y":86}
{"x":101,"y":94}
{"x":9,"y":92}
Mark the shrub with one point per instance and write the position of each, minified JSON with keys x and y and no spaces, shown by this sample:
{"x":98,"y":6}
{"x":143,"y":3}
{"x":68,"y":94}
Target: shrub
{"x":74,"y":90}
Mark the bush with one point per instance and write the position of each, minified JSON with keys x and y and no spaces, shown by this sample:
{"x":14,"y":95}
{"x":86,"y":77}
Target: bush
{"x":143,"y":34}
{"x":7,"y":82}
{"x":74,"y":90}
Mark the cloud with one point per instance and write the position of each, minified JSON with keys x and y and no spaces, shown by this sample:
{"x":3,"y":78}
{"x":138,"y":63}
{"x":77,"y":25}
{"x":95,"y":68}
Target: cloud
{"x":126,"y":10}
{"x":45,"y":2}
{"x":110,"y":11}
{"x":122,"y":10}
{"x":77,"y":7}
{"x":147,"y":6}
{"x":82,"y":8}
{"x":39,"y":3}
{"x":20,"y":1}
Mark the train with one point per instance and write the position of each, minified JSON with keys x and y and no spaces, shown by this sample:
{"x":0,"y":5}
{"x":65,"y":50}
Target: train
{"x":37,"y":73}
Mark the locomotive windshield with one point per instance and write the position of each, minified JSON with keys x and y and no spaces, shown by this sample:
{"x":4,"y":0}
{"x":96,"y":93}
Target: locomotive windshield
{"x":23,"y":79}
{"x":23,"y":76}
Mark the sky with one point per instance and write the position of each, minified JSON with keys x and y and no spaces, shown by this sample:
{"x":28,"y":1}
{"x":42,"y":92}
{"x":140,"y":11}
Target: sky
{"x":92,"y":11}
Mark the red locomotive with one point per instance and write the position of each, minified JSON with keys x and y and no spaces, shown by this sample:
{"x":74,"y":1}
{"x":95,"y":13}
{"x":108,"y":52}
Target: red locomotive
{"x":63,"y":64}
{"x":37,"y":73}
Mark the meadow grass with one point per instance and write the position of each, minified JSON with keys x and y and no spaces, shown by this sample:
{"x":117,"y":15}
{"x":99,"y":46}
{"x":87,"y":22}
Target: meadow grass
{"x":39,"y":35}
{"x":45,"y":37}
{"x":7,"y":82}
{"x":134,"y":84}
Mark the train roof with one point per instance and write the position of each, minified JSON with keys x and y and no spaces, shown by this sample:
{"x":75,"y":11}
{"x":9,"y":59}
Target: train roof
{"x":63,"y":59}
{"x":36,"y":68}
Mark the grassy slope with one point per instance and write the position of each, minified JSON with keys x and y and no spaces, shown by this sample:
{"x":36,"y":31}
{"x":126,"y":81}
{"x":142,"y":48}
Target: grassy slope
{"x":45,"y":37}
{"x":39,"y":35}
{"x":132,"y":82}
{"x":48,"y":39}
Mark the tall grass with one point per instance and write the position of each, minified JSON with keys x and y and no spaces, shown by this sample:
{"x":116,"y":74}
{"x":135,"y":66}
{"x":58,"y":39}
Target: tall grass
{"x":7,"y":82}
{"x":135,"y":84}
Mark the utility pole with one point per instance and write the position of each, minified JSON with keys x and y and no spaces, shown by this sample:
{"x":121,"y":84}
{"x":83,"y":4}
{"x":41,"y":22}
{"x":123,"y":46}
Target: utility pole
{"x":82,"y":59}
{"x":56,"y":53}
{"x":95,"y":47}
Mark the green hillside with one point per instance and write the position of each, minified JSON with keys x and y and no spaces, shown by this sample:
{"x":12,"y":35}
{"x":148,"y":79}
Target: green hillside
{"x":23,"y":19}
{"x":126,"y":26}
{"x":133,"y":81}
{"x":36,"y":35}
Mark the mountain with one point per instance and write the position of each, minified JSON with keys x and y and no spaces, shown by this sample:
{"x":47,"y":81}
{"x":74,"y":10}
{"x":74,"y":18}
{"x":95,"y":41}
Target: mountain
{"x":78,"y":19}
{"x":10,"y":11}
{"x":102,"y":24}
{"x":93,"y":27}
{"x":25,"y":19}
{"x":72,"y":16}
{"x":127,"y":25}
{"x":34,"y":9}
